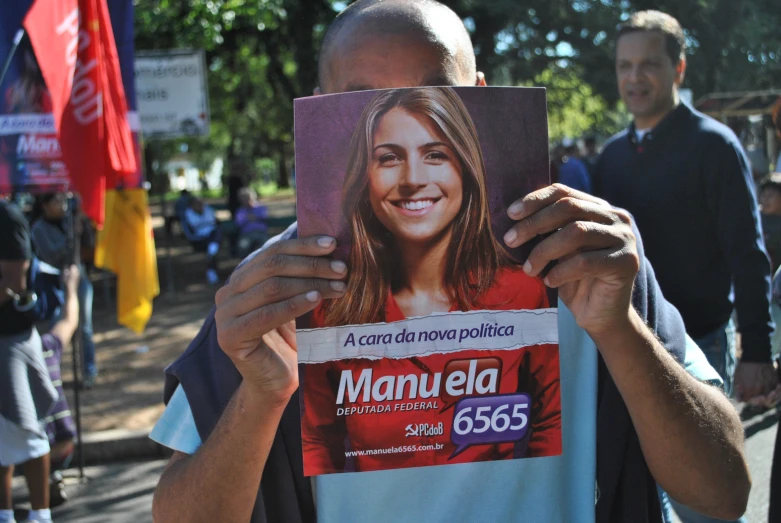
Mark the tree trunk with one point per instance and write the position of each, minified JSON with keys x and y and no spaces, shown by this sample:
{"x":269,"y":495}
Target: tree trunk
{"x":158,"y":184}
{"x":283,"y":182}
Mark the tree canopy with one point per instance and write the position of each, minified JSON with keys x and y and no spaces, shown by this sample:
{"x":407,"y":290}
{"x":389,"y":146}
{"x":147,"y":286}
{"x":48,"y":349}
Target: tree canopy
{"x":261,"y":54}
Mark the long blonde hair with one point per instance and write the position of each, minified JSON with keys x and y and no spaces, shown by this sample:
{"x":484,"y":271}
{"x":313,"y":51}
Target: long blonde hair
{"x":473,"y":254}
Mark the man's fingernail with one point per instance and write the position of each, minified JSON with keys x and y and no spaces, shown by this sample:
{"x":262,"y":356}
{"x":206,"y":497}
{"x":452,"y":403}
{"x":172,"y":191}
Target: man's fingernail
{"x":515,"y":208}
{"x":312,"y":296}
{"x":527,"y":267}
{"x":325,"y":242}
{"x":338,"y":286}
{"x":338,"y":266}
{"x":510,"y":237}
{"x":546,"y":281}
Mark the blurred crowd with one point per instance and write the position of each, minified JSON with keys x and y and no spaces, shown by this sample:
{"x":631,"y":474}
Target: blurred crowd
{"x":46,"y":254}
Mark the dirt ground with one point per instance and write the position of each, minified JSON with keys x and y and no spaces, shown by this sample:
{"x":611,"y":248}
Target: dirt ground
{"x":129,"y":388}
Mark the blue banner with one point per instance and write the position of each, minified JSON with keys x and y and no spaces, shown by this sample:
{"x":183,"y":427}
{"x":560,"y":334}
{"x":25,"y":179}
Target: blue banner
{"x":30,"y":157}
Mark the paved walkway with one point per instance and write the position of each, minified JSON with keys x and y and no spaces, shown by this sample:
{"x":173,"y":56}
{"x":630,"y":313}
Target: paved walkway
{"x":760,"y":441}
{"x":122,"y":493}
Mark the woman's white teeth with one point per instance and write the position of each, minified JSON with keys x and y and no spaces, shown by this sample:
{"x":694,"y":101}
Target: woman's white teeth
{"x":417,"y":205}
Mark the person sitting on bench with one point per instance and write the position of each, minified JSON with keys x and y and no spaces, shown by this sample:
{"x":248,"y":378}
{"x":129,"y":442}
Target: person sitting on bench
{"x":202,"y":230}
{"x":251,"y":221}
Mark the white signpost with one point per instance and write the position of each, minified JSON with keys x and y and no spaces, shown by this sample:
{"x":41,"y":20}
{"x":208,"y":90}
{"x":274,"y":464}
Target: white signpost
{"x":173,"y":100}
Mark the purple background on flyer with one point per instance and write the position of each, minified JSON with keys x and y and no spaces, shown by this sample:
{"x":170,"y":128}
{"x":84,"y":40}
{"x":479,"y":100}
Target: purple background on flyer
{"x":511,"y":123}
{"x":512,"y":126}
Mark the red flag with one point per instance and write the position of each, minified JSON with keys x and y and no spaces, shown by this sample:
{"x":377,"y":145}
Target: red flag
{"x":53,"y":28}
{"x":75,"y":48}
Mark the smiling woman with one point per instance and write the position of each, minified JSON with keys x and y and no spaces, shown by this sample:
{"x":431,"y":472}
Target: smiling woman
{"x":415,"y":199}
{"x":414,"y":175}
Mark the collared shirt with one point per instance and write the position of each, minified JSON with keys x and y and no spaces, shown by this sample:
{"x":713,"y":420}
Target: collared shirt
{"x":689,"y":187}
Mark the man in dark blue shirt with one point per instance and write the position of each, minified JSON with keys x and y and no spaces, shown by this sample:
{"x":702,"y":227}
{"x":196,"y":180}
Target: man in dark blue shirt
{"x":686,"y":180}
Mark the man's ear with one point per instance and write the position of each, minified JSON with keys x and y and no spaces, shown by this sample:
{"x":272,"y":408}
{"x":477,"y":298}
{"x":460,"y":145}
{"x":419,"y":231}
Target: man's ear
{"x":480,"y":80}
{"x":680,"y":72}
{"x":316,"y":92}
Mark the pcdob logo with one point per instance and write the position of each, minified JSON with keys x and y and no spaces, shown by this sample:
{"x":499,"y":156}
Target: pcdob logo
{"x":424,"y":429}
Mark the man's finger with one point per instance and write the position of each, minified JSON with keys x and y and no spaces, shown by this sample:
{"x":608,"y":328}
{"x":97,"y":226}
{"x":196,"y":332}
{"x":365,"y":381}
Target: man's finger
{"x":254,"y":324}
{"x":310,"y":246}
{"x":541,"y":198}
{"x":555,"y":216}
{"x":279,"y":288}
{"x":616,"y":263}
{"x":288,"y":333}
{"x":284,"y":265}
{"x":573,"y":238}
{"x":274,"y":340}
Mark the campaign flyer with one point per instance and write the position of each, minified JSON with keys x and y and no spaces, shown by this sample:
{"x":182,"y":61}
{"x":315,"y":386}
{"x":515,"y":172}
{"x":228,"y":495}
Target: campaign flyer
{"x":442,"y":350}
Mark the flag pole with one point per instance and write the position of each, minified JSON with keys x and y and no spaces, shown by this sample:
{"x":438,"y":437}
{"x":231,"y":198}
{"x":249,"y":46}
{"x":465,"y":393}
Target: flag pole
{"x":17,"y":40}
{"x":77,"y":341}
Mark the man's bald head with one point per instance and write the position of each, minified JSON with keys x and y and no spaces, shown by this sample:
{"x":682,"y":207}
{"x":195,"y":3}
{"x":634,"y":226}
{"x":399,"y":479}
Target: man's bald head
{"x":416,"y":38}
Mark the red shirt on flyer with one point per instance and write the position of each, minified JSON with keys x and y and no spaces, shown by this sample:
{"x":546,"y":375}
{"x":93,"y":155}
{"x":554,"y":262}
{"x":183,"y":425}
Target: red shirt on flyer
{"x":333,"y":442}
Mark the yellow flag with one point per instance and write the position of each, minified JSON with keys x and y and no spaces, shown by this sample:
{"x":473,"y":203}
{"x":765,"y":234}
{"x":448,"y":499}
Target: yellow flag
{"x":126,"y":247}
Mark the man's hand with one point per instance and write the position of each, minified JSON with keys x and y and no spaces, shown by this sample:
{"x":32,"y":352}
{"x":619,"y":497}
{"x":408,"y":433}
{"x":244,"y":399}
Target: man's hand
{"x":254,"y":321}
{"x":595,"y":248}
{"x":690,"y":435}
{"x":256,"y":310}
{"x":754,"y":379}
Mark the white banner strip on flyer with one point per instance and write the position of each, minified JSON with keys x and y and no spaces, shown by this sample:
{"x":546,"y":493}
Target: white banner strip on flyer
{"x":435,"y":334}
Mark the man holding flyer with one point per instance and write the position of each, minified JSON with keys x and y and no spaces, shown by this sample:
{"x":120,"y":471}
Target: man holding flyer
{"x":630,"y":418}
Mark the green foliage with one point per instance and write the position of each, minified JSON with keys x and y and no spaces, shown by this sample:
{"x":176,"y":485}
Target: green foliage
{"x":574,"y":109}
{"x":262,"y":54}
{"x":733,"y":45}
{"x":271,"y":189}
{"x":209,"y":194}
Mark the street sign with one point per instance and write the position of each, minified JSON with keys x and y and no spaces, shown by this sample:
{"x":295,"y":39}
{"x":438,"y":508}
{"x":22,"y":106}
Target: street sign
{"x":173,"y":100}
